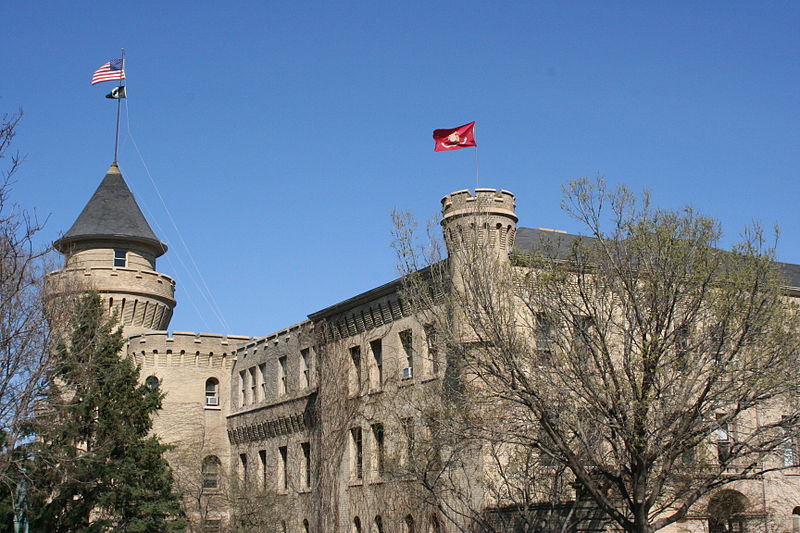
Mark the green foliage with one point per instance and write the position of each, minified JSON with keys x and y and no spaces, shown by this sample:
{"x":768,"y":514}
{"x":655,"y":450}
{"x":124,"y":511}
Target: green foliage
{"x":96,"y":467}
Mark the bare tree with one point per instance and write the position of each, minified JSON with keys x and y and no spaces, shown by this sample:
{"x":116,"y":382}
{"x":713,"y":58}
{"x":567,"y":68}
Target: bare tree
{"x":24,"y":332}
{"x":651,"y":366}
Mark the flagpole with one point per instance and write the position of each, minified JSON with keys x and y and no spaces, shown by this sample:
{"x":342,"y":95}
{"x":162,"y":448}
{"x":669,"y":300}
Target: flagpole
{"x":477,"y":168}
{"x":119,"y":103}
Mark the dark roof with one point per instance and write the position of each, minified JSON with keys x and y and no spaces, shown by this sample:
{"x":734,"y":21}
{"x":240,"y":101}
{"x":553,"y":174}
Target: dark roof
{"x":557,"y":245}
{"x":551,"y":243}
{"x":112,"y":213}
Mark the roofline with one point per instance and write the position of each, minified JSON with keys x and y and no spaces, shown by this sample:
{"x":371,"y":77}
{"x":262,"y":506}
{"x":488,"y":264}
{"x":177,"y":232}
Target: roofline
{"x":355,"y":301}
{"x":62,"y":244}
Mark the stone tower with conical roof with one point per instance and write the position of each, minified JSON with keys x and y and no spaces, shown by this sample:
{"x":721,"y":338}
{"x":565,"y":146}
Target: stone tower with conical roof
{"x":112,"y":249}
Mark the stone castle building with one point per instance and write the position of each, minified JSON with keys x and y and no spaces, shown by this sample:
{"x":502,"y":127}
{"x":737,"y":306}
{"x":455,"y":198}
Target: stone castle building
{"x":296,"y":431}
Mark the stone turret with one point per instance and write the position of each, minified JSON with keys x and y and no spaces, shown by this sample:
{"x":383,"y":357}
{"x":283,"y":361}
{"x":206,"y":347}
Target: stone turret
{"x":112,"y":249}
{"x":486,"y":218}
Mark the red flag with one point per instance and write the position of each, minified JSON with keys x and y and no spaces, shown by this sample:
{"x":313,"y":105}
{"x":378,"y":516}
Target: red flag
{"x":455,"y":138}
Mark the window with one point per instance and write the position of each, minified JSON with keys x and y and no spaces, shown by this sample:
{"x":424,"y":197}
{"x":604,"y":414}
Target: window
{"x":681,"y":347}
{"x":789,"y":448}
{"x":722,"y":434}
{"x":305,"y":380}
{"x":262,"y":468}
{"x":262,"y":381}
{"x":151,"y":382}
{"x":283,"y":478}
{"x":306,"y":470}
{"x":434,"y":525}
{"x":543,"y":332}
{"x":242,"y":388}
{"x":357,"y":454}
{"x":253,"y":393}
{"x":356,"y":525}
{"x":581,"y":336}
{"x":244,"y":474}
{"x":379,"y":449}
{"x":379,"y":524}
{"x":120,"y":258}
{"x":306,"y":528}
{"x":212,"y":392}
{"x":210,"y":472}
{"x":408,"y":350}
{"x":355,"y":369}
{"x":431,"y":339}
{"x":282,"y":375}
{"x":376,"y":348}
{"x":408,"y":430}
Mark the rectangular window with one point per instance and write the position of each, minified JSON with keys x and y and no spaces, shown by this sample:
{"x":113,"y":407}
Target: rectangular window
{"x":379,"y":449}
{"x":355,"y":369}
{"x":120,"y":258}
{"x":282,"y":375}
{"x":722,"y":434}
{"x":262,"y":381}
{"x":283,"y":477}
{"x":306,"y":470}
{"x":253,"y":393}
{"x":305,"y":381}
{"x":376,"y":347}
{"x":243,"y":473}
{"x":408,"y":431}
{"x":544,"y":332}
{"x":242,"y":388}
{"x":581,"y":339}
{"x":406,"y":340}
{"x":357,"y":454}
{"x":433,"y":348}
{"x":790,"y":447}
{"x":262,"y":468}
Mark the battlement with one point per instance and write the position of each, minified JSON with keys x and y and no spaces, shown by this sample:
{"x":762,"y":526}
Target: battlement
{"x":184,"y":349}
{"x":114,"y":279}
{"x":486,"y":201}
{"x":297,"y":332}
{"x":486,"y":218}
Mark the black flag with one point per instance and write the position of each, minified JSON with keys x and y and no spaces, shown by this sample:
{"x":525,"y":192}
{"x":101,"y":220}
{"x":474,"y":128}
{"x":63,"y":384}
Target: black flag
{"x":117,"y":93}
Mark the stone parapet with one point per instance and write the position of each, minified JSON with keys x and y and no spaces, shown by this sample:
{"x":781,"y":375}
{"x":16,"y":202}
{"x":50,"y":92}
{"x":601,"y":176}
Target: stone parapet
{"x":489,"y":201}
{"x":141,"y":299}
{"x":486,"y":218}
{"x":184,"y":349}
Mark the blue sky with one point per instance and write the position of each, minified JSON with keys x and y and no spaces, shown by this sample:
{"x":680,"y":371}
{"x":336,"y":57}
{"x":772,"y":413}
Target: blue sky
{"x":282,"y":134}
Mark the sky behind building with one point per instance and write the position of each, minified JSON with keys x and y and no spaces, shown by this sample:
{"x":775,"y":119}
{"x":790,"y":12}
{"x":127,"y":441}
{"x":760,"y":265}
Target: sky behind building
{"x":281,"y":135}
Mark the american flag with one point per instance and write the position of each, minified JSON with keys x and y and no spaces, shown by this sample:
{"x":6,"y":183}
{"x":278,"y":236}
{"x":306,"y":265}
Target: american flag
{"x":108,"y":72}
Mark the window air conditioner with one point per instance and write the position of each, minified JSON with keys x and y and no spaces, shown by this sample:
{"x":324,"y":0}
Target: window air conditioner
{"x":408,"y":372}
{"x":212,"y":400}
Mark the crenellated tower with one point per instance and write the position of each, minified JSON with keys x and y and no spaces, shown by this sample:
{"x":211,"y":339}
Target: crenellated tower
{"x":486,"y":219}
{"x":112,"y":249}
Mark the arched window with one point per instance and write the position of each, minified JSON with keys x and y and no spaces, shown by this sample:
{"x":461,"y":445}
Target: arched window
{"x":152,"y":382}
{"x":408,"y":522}
{"x":378,"y":524}
{"x":356,"y":525}
{"x":306,"y":528}
{"x":211,"y":469}
{"x":212,"y":392}
{"x":796,"y":520}
{"x":726,"y":511}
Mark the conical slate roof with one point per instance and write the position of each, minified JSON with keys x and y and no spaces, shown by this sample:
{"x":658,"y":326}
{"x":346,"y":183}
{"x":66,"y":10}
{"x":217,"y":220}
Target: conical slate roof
{"x":112,"y":213}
